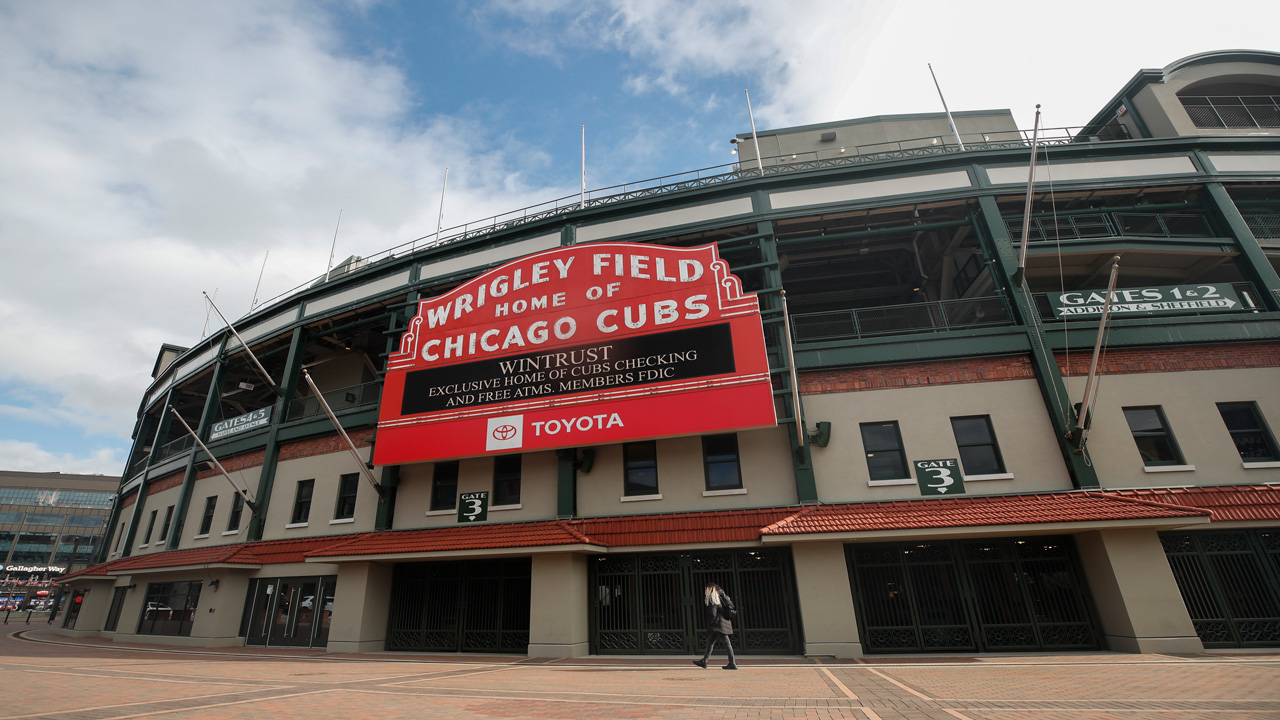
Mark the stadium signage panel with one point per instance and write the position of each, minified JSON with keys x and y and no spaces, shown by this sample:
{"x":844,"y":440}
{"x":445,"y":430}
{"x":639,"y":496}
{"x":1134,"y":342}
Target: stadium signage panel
{"x":600,"y":343}
{"x":242,"y":423}
{"x":1164,"y":300}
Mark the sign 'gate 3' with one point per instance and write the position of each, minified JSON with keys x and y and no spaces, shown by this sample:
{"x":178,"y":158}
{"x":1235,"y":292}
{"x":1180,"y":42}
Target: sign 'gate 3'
{"x":601,"y":343}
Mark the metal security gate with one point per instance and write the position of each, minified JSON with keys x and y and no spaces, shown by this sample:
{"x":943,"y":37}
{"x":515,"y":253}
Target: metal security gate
{"x":976,"y":595}
{"x":460,"y":606}
{"x":652,"y":604}
{"x":1230,"y":583}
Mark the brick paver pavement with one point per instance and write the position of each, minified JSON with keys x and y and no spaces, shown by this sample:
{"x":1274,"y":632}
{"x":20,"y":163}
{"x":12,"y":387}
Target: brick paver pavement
{"x":49,"y":677}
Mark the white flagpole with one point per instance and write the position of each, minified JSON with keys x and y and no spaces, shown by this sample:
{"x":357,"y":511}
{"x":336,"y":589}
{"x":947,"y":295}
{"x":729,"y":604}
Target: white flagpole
{"x":368,"y":474}
{"x":257,"y":287}
{"x":754,"y":139}
{"x":440,"y":217}
{"x":333,"y":247}
{"x":252,"y":505}
{"x":582,"y":202}
{"x":1097,"y":349}
{"x":1031,"y":182}
{"x":244,"y":345}
{"x":945,"y":108}
{"x":207,"y":312}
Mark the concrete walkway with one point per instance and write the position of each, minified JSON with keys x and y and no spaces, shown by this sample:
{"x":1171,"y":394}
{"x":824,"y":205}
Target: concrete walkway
{"x":48,"y":676}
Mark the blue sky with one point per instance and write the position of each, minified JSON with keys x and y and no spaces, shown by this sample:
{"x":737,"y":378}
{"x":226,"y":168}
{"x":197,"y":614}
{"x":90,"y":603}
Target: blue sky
{"x":156,"y":150}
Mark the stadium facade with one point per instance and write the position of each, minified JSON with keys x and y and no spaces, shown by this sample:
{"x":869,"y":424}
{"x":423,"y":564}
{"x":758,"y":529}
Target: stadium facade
{"x":563,"y":421}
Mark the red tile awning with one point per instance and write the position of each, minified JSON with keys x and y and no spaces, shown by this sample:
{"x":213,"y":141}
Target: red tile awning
{"x":547,"y":533}
{"x":255,"y":554}
{"x":1230,"y":502}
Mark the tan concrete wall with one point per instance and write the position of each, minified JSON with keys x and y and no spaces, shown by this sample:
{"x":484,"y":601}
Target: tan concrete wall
{"x":1021,"y":423}
{"x":538,"y":472}
{"x":326,"y":470}
{"x":558,"y":609}
{"x":159,"y":501}
{"x":1135,"y":593}
{"x":93,"y":609}
{"x":1189,"y":402}
{"x":826,"y":600}
{"x":764,"y":459}
{"x":360,"y":606}
{"x":1162,"y":108}
{"x":218,"y":485}
{"x":217,"y":619}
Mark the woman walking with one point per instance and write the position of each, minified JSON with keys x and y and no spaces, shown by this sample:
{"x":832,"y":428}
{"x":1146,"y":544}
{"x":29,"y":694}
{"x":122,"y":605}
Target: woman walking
{"x":720,"y":614}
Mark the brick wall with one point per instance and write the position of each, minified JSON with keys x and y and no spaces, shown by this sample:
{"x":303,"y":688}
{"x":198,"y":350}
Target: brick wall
{"x":324,"y":445}
{"x":1174,"y":359}
{"x":171,"y":480}
{"x":129,"y":499}
{"x":236,"y":462}
{"x":944,"y":372}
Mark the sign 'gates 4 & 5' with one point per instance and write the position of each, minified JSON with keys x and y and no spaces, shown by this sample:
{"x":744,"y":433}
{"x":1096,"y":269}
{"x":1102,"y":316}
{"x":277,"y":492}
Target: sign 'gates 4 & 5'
{"x":601,"y":343}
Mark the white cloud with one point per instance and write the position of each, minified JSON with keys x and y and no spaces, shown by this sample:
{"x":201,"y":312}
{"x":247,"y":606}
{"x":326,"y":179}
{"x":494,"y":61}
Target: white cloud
{"x":28,"y":457}
{"x":155,"y":151}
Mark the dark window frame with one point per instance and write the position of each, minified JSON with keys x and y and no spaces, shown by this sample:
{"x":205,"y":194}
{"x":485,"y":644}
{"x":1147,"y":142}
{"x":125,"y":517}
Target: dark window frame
{"x":237,"y":507}
{"x":992,"y":443}
{"x":164,"y":529}
{"x":444,"y":485}
{"x":348,"y":491}
{"x":713,"y":462}
{"x":151,"y":528}
{"x":507,"y":470}
{"x":1148,"y":441}
{"x":206,"y":520}
{"x":169,"y":608}
{"x":1264,"y":440}
{"x":900,"y":449}
{"x":303,"y":492}
{"x":640,"y":460}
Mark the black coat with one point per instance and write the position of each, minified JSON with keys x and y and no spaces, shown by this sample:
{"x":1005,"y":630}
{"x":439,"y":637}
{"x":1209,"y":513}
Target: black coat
{"x":718,"y":616}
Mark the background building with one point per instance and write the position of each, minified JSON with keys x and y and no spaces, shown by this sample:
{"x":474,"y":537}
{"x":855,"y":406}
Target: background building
{"x":942,"y":494}
{"x":50,"y":524}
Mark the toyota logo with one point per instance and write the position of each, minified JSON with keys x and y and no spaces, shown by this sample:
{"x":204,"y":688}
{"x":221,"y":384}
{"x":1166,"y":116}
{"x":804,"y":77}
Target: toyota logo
{"x":504,"y":432}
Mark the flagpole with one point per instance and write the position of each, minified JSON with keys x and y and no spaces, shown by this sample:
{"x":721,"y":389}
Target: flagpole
{"x":1097,"y":350}
{"x":945,"y":108}
{"x":351,"y":447}
{"x":257,"y":287}
{"x":243,"y":494}
{"x":244,"y":345}
{"x":440,"y":218}
{"x":333,"y":247}
{"x":754,"y":139}
{"x":1026,"y":210}
{"x":582,"y":202}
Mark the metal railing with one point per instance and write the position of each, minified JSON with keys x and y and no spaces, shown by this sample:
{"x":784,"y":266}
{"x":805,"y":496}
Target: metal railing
{"x":901,"y":319}
{"x":1098,"y":225}
{"x":340,"y":399}
{"x":1233,"y":111}
{"x":175,"y":447}
{"x":849,"y":155}
{"x":137,"y":467}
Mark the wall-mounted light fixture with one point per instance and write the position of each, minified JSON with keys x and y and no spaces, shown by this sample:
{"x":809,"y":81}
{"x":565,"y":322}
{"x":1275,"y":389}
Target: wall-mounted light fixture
{"x":213,"y":584}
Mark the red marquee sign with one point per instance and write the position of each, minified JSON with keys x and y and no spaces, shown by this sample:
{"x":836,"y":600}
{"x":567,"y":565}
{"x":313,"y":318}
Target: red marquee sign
{"x":583,"y":345}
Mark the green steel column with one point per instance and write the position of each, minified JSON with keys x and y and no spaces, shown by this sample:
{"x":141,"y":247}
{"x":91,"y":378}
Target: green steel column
{"x":771,"y":302}
{"x":566,"y":483}
{"x":207,"y":416}
{"x":288,"y":384}
{"x":997,"y":246}
{"x":161,"y":426}
{"x":390,"y":484}
{"x":1256,"y":265}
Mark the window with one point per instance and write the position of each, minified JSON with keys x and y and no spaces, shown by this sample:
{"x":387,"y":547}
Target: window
{"x":237,"y":505}
{"x":1151,"y":433}
{"x":117,"y":604}
{"x":44,"y":519}
{"x":302,"y":502}
{"x":10,"y":518}
{"x":720,"y":462}
{"x":33,"y":548}
{"x":1253,"y":441}
{"x":506,"y":480}
{"x":93,"y":521}
{"x":640,"y":463}
{"x":169,"y":608}
{"x":74,"y":549}
{"x":883,"y":445}
{"x":979,"y":454}
{"x":119,"y":537}
{"x":164,"y":529}
{"x":444,"y":486}
{"x":347,"y":487}
{"x":206,"y":522}
{"x":151,"y":525}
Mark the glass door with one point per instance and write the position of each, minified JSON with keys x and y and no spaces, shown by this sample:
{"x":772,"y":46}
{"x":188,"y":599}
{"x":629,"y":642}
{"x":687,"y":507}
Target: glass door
{"x":290,"y":612}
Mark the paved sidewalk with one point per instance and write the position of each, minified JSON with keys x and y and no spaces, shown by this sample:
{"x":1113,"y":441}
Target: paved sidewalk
{"x":50,"y":677}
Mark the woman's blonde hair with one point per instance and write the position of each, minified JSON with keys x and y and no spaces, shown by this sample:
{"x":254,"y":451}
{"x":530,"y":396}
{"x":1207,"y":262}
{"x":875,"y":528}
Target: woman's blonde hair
{"x":711,"y":596}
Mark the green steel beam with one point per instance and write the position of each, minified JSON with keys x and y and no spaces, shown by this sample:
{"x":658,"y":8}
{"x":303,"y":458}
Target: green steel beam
{"x":207,"y":415}
{"x":1256,"y":265}
{"x":996,"y":245}
{"x":566,"y":482}
{"x":161,"y":426}
{"x":390,"y":483}
{"x":288,"y":385}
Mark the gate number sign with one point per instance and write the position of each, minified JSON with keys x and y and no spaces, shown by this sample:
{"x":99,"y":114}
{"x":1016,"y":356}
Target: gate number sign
{"x":939,"y":477}
{"x":473,"y":507}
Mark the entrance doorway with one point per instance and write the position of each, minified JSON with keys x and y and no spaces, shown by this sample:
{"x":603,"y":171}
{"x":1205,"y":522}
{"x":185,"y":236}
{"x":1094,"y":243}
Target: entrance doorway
{"x":472,"y":606}
{"x":652,"y":604}
{"x":1230,"y":583}
{"x":1004,"y":595}
{"x":290,"y":612}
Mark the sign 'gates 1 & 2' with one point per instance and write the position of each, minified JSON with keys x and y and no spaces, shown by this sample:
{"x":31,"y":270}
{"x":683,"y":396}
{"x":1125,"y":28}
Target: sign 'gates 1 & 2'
{"x":582,"y":345}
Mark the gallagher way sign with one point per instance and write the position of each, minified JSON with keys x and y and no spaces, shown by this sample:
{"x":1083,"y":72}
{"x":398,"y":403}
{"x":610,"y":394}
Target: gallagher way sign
{"x":243,"y":423}
{"x":600,"y":343}
{"x":1168,"y":300}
